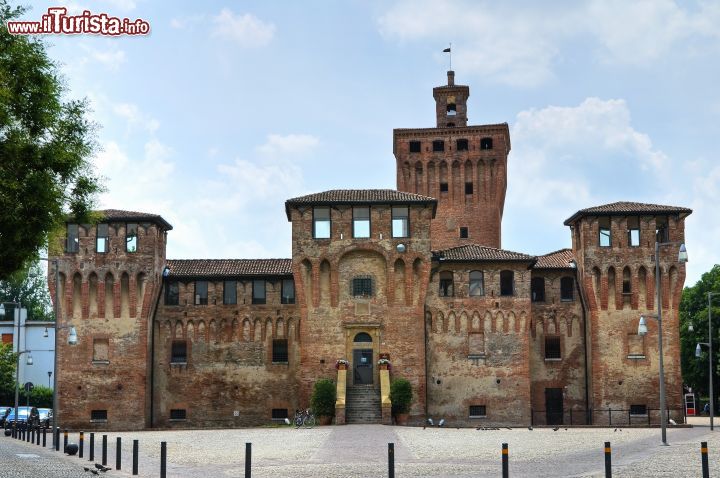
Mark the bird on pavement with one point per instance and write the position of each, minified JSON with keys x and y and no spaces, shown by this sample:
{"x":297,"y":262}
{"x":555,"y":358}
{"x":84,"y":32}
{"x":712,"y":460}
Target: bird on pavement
{"x":530,"y":428}
{"x":556,"y":429}
{"x":94,"y":472}
{"x":672,"y":422}
{"x":101,"y":467}
{"x":86,"y":468}
{"x":614,"y":430}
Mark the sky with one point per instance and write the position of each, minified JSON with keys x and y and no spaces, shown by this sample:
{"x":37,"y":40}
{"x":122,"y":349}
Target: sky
{"x":227,"y":109}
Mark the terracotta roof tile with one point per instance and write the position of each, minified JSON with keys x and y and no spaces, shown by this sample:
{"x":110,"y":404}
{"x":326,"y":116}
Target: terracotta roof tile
{"x":475,"y":252}
{"x":359,"y":196}
{"x":555,"y":260}
{"x":229,"y":267}
{"x":622,"y":208}
{"x":130,"y":216}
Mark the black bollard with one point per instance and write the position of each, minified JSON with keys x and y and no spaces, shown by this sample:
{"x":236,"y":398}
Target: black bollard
{"x":92,"y":446}
{"x":32,"y":435}
{"x":248,"y":459}
{"x":44,"y":437}
{"x":391,"y":460}
{"x":135,"y":457}
{"x":505,"y":467}
{"x":38,"y":437}
{"x":104,"y":451}
{"x":65,"y":439}
{"x":608,"y":460}
{"x":704,"y":456}
{"x":81,"y":444}
{"x":56,"y":435}
{"x":163,"y":459}
{"x":118,"y":452}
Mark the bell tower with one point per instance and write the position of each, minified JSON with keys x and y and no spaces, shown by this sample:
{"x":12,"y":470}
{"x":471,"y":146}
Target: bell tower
{"x":463,"y":167}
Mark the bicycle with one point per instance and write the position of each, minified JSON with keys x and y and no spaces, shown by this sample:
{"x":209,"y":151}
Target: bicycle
{"x":304,"y":418}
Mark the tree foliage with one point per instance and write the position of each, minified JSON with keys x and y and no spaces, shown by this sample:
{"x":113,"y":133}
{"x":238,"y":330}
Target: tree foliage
{"x":323,"y":397}
{"x":401,"y":395}
{"x":694,"y":309}
{"x":45,"y":143}
{"x":29,"y":287}
{"x":7,"y":373}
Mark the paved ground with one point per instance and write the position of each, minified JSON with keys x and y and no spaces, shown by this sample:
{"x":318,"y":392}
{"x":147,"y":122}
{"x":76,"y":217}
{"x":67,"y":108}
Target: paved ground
{"x":361,"y":451}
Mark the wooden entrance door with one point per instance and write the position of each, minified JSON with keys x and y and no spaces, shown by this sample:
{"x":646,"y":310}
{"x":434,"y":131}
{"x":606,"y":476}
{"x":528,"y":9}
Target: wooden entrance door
{"x":554,"y":406}
{"x":363,"y":367}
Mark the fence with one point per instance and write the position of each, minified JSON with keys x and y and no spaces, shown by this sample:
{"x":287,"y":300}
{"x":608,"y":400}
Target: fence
{"x":608,"y":417}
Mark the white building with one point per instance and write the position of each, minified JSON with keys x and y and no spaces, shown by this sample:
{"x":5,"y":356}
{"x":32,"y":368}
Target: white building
{"x":32,"y":342}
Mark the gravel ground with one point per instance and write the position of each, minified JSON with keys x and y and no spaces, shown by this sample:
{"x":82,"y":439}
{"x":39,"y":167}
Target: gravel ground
{"x":361,"y":451}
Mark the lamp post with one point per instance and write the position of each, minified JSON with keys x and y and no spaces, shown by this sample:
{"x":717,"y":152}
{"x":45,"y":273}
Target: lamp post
{"x":698,"y":352}
{"x":642,"y":328}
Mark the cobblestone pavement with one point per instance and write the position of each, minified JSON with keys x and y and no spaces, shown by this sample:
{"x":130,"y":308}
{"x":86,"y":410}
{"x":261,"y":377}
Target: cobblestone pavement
{"x":22,"y":459}
{"x":361,"y":451}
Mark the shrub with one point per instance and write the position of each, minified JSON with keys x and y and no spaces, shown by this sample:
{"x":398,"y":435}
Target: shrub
{"x":400,"y":395}
{"x":323,"y":398}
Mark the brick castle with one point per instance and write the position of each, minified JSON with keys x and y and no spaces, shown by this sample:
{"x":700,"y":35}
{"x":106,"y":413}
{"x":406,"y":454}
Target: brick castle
{"x":415,"y":275}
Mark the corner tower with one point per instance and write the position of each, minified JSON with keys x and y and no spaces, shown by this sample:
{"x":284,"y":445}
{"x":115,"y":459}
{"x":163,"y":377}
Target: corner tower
{"x":463,"y":167}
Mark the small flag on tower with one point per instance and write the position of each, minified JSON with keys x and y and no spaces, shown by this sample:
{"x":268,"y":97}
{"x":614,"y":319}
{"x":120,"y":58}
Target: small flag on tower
{"x":446,"y":50}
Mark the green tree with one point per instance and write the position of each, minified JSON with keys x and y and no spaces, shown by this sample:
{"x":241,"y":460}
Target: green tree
{"x":7,"y":374}
{"x":45,"y":143}
{"x":694,"y":309}
{"x":29,"y":287}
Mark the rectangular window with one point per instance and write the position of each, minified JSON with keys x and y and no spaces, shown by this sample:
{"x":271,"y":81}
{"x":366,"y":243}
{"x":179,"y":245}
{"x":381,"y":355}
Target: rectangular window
{"x":627,"y":286}
{"x":201,"y":292}
{"x":131,"y":237}
{"x":362,"y":287}
{"x":230,"y":292}
{"x":636,"y":346}
{"x":476,"y":344}
{"x":415,"y":146}
{"x":172,"y":293}
{"x":438,"y":145}
{"x":101,"y":350}
{"x":462,"y":145}
{"x":98,"y":415}
{"x":280,"y":351}
{"x":661,"y":226}
{"x":633,"y":224}
{"x":321,"y":223}
{"x":552,"y":348}
{"x":443,"y":187}
{"x":567,"y":289}
{"x":478,"y":411}
{"x":537,"y":289}
{"x":361,"y":222}
{"x":604,"y":232}
{"x":259,"y":296}
{"x":477,"y":286}
{"x":102,"y":240}
{"x":507,"y":283}
{"x":400,"y":221}
{"x":287,"y":295}
{"x":638,"y":410}
{"x":468,"y":188}
{"x":446,"y":284}
{"x":464,"y":233}
{"x":178,"y":414}
{"x":279,"y":414}
{"x":73,"y":238}
{"x":179,"y":352}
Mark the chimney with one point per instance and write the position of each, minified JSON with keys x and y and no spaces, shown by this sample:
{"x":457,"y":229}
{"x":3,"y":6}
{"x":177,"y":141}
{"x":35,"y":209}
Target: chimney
{"x":451,"y":78}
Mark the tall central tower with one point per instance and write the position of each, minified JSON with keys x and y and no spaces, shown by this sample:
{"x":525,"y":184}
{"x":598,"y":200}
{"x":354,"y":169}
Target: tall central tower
{"x":463,"y":167}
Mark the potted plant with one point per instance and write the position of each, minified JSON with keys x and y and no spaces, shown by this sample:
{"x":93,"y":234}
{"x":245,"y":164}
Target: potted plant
{"x":384,"y":364}
{"x":341,"y":364}
{"x":401,"y":398}
{"x":323,"y":400}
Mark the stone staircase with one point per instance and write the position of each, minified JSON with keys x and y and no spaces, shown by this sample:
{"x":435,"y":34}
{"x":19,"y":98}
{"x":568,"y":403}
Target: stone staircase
{"x":363,"y":405}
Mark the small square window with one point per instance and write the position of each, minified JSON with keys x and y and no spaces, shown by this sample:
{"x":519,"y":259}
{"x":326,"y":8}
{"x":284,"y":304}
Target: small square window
{"x":178,"y":414}
{"x":438,"y":145}
{"x":462,"y":145}
{"x":478,"y":411}
{"x":486,"y":143}
{"x":552,"y":348}
{"x":98,"y":415}
{"x":201,"y":292}
{"x":464,"y":234}
{"x":362,"y":287}
{"x":443,"y":187}
{"x":280,"y":351}
{"x":638,"y":410}
{"x":179,"y":352}
{"x":415,"y":146}
{"x":259,"y":296}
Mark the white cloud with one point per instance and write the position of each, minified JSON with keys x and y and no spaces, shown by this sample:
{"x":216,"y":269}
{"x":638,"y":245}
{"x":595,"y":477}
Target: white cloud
{"x":288,"y":144}
{"x":134,"y":117}
{"x":244,"y":30}
{"x":187,"y":22}
{"x":111,"y":58}
{"x":123,"y":5}
{"x":522,"y":46}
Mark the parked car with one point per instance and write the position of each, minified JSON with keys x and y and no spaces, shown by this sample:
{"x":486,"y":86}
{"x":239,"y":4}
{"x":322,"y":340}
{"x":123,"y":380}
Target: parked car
{"x":40,"y":417}
{"x":4,"y":412}
{"x":21,"y":420}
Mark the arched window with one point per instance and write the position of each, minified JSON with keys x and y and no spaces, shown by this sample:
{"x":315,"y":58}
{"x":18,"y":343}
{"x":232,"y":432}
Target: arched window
{"x":537,"y":286}
{"x":477,"y":284}
{"x":362,"y":337}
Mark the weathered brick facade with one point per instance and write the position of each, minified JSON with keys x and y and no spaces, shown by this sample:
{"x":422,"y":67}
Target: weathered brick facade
{"x":485,"y":336}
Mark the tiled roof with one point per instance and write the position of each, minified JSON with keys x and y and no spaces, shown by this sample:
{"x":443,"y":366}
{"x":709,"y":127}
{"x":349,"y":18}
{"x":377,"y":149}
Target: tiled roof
{"x":229,"y":267}
{"x":120,"y":215}
{"x":555,"y":260}
{"x":475,"y":252}
{"x":622,"y":208}
{"x":359,"y":196}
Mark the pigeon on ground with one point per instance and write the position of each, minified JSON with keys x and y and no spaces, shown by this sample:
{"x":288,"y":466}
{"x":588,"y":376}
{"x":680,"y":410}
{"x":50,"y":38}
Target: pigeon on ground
{"x":430,"y":421}
{"x":287,"y":421}
{"x":441,"y":422}
{"x":86,"y":468}
{"x":530,"y":428}
{"x":672,"y":422}
{"x":94,"y":472}
{"x":556,"y":429}
{"x":508,"y":428}
{"x":614,"y":430}
{"x":102,"y":468}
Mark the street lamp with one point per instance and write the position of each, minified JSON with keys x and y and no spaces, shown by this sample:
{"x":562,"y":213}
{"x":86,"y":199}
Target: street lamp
{"x":698,"y":352}
{"x":642,"y":327}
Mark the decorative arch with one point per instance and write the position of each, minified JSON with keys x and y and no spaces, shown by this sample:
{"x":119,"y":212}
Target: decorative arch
{"x":92,"y":295}
{"x":362,"y":337}
{"x":109,"y":296}
{"x":202,"y":332}
{"x":77,"y":296}
{"x":190,"y":330}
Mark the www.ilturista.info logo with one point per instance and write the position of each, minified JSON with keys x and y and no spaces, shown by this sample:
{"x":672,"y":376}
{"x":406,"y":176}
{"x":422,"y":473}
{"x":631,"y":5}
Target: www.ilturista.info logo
{"x":58,"y":22}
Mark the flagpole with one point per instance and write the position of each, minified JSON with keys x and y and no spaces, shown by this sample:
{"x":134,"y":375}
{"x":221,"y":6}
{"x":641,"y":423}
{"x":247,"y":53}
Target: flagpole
{"x":450,"y":56}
